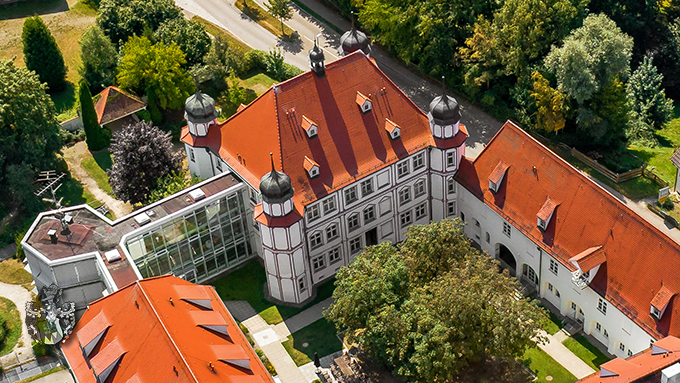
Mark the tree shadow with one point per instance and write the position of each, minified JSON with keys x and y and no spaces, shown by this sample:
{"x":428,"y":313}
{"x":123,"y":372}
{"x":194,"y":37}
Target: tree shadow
{"x":64,"y":100}
{"x":103,"y":159}
{"x":29,"y":8}
{"x":290,"y":44}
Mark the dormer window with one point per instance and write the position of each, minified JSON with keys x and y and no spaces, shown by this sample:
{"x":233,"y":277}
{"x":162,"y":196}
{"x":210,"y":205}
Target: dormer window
{"x":497,"y":176}
{"x":363,"y":102}
{"x":310,"y":127}
{"x":545,"y":214}
{"x":311,"y":167}
{"x":660,"y":302}
{"x":393,"y":129}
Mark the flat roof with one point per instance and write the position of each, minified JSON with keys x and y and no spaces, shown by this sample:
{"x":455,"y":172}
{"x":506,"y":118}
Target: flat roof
{"x":91,"y":232}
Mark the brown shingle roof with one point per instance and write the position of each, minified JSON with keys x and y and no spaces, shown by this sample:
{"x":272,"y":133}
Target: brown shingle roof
{"x":114,"y":104}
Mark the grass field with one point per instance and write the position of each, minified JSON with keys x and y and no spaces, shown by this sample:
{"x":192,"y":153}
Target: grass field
{"x":544,"y":366}
{"x":96,"y":167}
{"x":586,"y":351}
{"x":12,"y":271}
{"x":320,"y":338}
{"x":659,"y":157}
{"x":10,"y":316}
{"x":247,"y":283}
{"x":262,"y":17}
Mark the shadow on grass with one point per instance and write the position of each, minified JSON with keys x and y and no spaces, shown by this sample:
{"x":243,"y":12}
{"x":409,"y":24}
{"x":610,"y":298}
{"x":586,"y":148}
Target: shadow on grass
{"x":318,"y":337}
{"x":32,"y":7}
{"x":66,"y":99}
{"x":103,"y":159}
{"x":586,"y":351}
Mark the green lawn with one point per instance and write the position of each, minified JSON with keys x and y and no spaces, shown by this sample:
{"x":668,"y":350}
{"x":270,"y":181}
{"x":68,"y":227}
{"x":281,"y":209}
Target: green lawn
{"x":659,"y":157}
{"x":9,"y":315}
{"x":12,"y":271}
{"x":586,"y":351}
{"x":320,"y":337}
{"x":247,"y":283}
{"x":91,"y":165}
{"x":543,"y":366}
{"x":553,"y":325}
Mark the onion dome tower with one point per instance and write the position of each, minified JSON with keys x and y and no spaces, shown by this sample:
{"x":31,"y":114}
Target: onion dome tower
{"x":281,"y":233}
{"x":316,"y":60}
{"x":200,"y":113}
{"x":354,"y":40}
{"x":444,"y":115}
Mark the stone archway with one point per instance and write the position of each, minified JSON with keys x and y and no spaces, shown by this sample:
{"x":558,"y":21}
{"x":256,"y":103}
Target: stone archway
{"x":507,"y":259}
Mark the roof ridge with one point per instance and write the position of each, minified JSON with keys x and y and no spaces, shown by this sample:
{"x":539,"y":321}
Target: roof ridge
{"x":278,"y":129}
{"x":160,"y":320}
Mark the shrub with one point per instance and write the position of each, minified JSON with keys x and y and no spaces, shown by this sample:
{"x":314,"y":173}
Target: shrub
{"x":40,"y":349}
{"x":267,"y":364}
{"x":72,"y":137}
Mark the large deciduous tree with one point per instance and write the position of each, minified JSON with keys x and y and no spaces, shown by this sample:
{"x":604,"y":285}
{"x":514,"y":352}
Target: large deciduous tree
{"x":142,"y":154}
{"x":42,"y":54}
{"x":158,"y":67}
{"x":94,"y":135}
{"x":189,"y":35}
{"x":29,"y":133}
{"x":432,"y":304}
{"x":99,"y":57}
{"x":121,"y":19}
{"x":550,"y":104}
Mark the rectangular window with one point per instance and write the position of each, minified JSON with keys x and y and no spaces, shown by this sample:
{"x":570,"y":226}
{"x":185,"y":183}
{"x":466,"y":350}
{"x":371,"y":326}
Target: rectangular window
{"x":332,"y":232}
{"x":602,"y":306}
{"x":191,"y":155}
{"x":315,"y":240}
{"x":402,"y":169}
{"x":350,"y":195}
{"x":419,"y":188}
{"x":334,"y":255}
{"x":366,"y":187}
{"x":451,"y":208}
{"x":404,"y":196}
{"x":313,"y":213}
{"x":450,"y":185}
{"x":550,"y":287}
{"x":369,"y":214}
{"x":318,"y":263}
{"x":301,"y":284}
{"x":553,"y":266}
{"x":419,"y":161}
{"x":598,"y":327}
{"x":355,"y":245}
{"x":606,"y":334}
{"x":451,"y":159}
{"x":622,"y":347}
{"x":406,"y":218}
{"x":353,"y":222}
{"x":507,"y":229}
{"x":421,"y":211}
{"x":329,"y":205}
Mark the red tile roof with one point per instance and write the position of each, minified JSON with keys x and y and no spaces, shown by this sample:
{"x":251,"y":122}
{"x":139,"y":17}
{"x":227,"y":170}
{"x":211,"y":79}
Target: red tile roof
{"x":662,"y":298}
{"x":548,"y":209}
{"x":647,"y":364}
{"x":112,"y":104}
{"x":589,"y":258}
{"x":350,"y":144}
{"x":270,"y":221}
{"x":162,"y":337}
{"x":639,"y":257}
{"x":498,"y":172}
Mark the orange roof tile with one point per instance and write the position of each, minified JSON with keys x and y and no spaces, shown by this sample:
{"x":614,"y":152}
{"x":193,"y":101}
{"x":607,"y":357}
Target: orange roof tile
{"x":270,"y":221}
{"x":662,"y":298}
{"x":350,"y":145}
{"x":589,"y":258}
{"x":638,"y":255}
{"x":307,"y":123}
{"x":113,"y":104}
{"x":547,"y":209}
{"x":156,"y":331}
{"x":498,"y":172}
{"x":646,"y":364}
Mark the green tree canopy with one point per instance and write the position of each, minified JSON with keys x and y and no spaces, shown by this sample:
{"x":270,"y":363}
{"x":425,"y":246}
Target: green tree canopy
{"x":99,"y":57}
{"x":550,"y":104}
{"x":432,"y":304}
{"x":42,"y":54}
{"x":155,"y":66}
{"x":94,"y":133}
{"x":189,"y":35}
{"x":121,"y":19}
{"x":281,"y":10}
{"x":590,"y":57}
{"x":29,"y":132}
{"x":647,"y":98}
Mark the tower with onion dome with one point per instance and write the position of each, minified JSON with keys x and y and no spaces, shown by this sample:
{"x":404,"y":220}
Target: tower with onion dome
{"x":354,"y":40}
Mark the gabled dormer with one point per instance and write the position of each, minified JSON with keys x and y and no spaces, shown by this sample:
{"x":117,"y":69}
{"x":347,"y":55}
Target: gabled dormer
{"x":660,"y":302}
{"x":107,"y":360}
{"x":233,"y":354}
{"x":497,"y":176}
{"x":90,"y":334}
{"x":587,"y":263}
{"x":364,"y":102}
{"x":392,"y":129}
{"x":310,"y":127}
{"x":545,"y":214}
{"x":311,"y":167}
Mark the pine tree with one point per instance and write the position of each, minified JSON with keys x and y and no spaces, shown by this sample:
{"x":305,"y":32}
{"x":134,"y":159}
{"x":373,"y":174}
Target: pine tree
{"x":42,"y":54}
{"x":647,"y":98}
{"x":95,"y":138}
{"x":99,"y":57}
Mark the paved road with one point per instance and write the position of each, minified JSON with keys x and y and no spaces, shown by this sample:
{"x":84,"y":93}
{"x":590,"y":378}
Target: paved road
{"x":223,"y":13}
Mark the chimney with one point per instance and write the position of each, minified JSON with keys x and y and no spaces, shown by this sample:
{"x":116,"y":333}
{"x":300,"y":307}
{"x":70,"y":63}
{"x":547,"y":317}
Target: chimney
{"x":671,"y":374}
{"x":53,"y":236}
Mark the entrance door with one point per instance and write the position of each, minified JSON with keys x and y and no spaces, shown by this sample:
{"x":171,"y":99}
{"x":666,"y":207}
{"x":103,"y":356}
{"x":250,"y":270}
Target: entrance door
{"x":372,"y":237}
{"x":507,"y":259}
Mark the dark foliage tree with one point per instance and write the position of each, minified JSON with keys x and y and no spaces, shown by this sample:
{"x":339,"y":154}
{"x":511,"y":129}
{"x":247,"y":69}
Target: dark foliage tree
{"x":189,"y":35}
{"x":432,"y":304}
{"x":29,"y":133}
{"x":99,"y":57}
{"x":142,"y":154}
{"x":42,"y":54}
{"x":121,"y":19}
{"x":94,"y":134}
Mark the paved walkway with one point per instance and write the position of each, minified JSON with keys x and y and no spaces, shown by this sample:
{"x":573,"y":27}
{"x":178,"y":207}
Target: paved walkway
{"x":303,"y":319}
{"x":563,"y":356}
{"x":22,"y":351}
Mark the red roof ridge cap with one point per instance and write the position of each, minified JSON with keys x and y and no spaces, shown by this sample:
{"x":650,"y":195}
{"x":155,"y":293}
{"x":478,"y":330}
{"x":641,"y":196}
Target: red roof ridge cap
{"x":278,"y":130}
{"x":165,"y":329}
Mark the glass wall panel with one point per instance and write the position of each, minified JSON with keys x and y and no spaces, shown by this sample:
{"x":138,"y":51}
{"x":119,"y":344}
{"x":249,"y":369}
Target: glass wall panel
{"x":164,"y":263}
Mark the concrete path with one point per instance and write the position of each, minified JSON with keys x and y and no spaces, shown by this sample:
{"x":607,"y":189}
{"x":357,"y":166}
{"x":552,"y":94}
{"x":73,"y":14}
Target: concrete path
{"x":306,"y":317}
{"x":74,"y":155}
{"x":62,"y":376}
{"x":563,"y":356}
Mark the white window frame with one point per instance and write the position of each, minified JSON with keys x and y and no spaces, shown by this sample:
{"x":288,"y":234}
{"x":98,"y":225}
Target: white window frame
{"x":406,"y":218}
{"x":332,"y":232}
{"x":329,"y":205}
{"x":554,"y":266}
{"x":369,"y":209}
{"x":318,"y":263}
{"x":451,"y":208}
{"x":404,"y":196}
{"x":450,"y":186}
{"x":334,"y":256}
{"x":403,"y":169}
{"x":315,"y":240}
{"x":355,"y":245}
{"x":507,"y":229}
{"x":367,"y":187}
{"x":419,"y":188}
{"x":192,"y":156}
{"x":313,"y":213}
{"x":418,"y":161}
{"x":351,"y":195}
{"x":301,"y":284}
{"x":451,"y":159}
{"x":602,"y":306}
{"x":353,"y":222}
{"x":421,"y":211}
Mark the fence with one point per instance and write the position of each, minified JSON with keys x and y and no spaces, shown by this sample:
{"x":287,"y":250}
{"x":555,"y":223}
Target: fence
{"x":616,"y":177}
